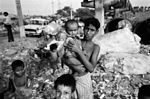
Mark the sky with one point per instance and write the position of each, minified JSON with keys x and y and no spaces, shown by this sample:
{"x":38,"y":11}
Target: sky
{"x":48,"y":7}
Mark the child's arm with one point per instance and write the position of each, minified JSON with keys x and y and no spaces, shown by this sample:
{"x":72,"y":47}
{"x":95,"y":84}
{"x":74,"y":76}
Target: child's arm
{"x":11,"y":87}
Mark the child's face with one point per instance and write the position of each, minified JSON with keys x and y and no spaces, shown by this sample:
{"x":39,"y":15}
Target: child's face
{"x":19,"y":71}
{"x":72,"y":29}
{"x":63,"y":92}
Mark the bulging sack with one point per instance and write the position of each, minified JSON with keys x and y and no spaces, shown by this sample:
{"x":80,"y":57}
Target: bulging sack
{"x":122,"y":40}
{"x":126,"y":63}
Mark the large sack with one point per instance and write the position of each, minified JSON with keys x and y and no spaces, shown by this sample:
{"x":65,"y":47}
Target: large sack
{"x":52,"y":28}
{"x":122,"y":40}
{"x":126,"y":63}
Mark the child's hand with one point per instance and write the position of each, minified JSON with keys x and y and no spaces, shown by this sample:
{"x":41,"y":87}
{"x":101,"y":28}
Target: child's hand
{"x":72,"y":46}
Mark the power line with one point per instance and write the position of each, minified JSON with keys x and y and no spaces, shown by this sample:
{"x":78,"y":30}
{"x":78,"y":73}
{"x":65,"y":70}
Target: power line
{"x":59,"y":5}
{"x":52,"y":7}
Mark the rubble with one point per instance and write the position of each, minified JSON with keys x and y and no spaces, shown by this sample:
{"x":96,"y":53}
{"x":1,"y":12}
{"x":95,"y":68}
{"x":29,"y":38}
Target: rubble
{"x":107,"y":83}
{"x":112,"y":81}
{"x":41,"y":74}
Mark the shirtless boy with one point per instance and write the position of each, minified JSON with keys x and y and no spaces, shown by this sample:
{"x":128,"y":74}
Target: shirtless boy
{"x":83,"y":57}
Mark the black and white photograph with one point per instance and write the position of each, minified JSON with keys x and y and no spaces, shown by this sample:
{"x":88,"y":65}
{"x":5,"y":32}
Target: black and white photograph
{"x":74,"y":49}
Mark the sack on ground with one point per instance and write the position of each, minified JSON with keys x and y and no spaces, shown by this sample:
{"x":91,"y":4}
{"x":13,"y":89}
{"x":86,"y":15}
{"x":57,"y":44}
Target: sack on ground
{"x":122,"y":40}
{"x":126,"y":63}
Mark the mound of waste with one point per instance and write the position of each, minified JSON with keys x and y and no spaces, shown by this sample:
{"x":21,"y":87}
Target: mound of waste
{"x":112,"y":78}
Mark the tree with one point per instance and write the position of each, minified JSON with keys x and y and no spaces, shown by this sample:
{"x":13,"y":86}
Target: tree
{"x":62,"y":13}
{"x":65,"y":12}
{"x":85,"y":13}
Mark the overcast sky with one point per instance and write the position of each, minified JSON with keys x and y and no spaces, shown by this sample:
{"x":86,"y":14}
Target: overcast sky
{"x":45,"y":7}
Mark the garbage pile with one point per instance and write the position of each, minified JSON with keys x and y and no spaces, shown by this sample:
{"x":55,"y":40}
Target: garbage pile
{"x":116,"y":76}
{"x":122,"y":64}
{"x":119,"y":75}
{"x":41,"y":74}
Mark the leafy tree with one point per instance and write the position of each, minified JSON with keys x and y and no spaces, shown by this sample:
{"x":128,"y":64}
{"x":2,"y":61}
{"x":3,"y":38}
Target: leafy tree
{"x":65,"y":12}
{"x":67,"y":9}
{"x":85,"y":13}
{"x":62,"y":13}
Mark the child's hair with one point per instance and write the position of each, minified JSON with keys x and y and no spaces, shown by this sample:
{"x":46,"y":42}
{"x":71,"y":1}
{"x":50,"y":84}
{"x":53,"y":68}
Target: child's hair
{"x":144,"y":92}
{"x":95,"y":22}
{"x":17,"y":63}
{"x":71,"y":21}
{"x":66,"y":80}
{"x":53,"y":47}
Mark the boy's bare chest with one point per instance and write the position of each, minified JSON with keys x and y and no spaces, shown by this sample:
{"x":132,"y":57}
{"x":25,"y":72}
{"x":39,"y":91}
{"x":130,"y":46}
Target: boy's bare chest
{"x":87,"y":49}
{"x":19,"y":82}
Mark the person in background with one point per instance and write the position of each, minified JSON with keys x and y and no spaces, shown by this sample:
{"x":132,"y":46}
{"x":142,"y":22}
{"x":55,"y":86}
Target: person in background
{"x":144,"y":92}
{"x":7,"y":25}
{"x":65,"y":86}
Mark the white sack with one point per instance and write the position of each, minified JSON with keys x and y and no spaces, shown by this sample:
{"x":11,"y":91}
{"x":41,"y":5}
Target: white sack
{"x":122,"y":40}
{"x":52,"y":28}
{"x":126,"y":63}
{"x":59,"y":44}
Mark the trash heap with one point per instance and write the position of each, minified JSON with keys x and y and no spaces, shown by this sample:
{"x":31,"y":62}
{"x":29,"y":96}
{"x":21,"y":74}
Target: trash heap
{"x":115,"y":76}
{"x":41,"y":75}
{"x":122,"y":64}
{"x":118,"y":78}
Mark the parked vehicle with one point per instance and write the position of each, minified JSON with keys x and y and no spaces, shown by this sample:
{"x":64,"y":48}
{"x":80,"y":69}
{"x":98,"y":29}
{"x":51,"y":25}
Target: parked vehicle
{"x":36,"y":27}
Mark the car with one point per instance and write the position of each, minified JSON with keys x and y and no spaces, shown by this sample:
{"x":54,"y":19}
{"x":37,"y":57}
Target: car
{"x":36,"y":26}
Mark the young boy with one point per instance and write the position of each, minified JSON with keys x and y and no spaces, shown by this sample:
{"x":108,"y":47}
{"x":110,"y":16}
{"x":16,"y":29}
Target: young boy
{"x":82,"y":55}
{"x":65,"y":86}
{"x":144,"y":92}
{"x":18,"y":82}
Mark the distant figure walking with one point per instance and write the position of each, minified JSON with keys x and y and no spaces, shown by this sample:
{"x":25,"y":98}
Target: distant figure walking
{"x":7,"y":25}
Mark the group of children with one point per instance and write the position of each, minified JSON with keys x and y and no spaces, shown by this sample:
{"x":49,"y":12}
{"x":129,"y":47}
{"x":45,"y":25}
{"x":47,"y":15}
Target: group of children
{"x":65,"y":85}
{"x":80,"y":54}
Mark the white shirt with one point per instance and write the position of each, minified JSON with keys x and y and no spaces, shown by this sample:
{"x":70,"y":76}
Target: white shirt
{"x":7,"y":20}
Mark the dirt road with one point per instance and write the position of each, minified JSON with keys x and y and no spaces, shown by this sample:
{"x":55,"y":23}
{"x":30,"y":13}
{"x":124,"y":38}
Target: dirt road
{"x":4,"y":38}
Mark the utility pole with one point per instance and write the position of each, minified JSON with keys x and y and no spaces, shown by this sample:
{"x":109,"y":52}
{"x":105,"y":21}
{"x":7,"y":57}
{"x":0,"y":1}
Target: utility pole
{"x":52,"y":7}
{"x":98,"y":5}
{"x":20,"y":17}
{"x":59,"y":5}
{"x":71,"y":12}
{"x":99,"y":14}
